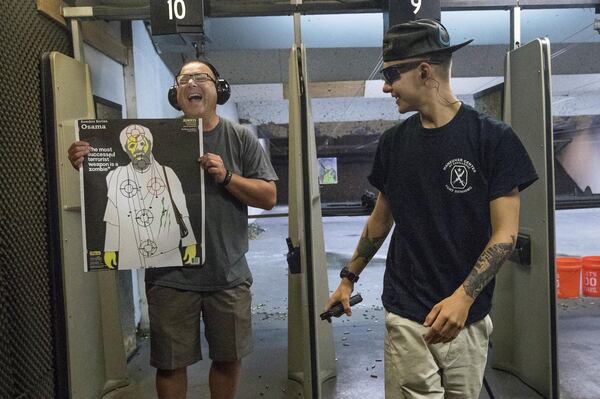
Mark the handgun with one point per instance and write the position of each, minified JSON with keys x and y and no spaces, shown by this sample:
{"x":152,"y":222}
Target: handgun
{"x":338,"y":309}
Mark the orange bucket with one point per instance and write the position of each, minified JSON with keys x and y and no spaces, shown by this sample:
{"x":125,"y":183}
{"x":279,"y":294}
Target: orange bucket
{"x":590,"y":276}
{"x":568,"y":277}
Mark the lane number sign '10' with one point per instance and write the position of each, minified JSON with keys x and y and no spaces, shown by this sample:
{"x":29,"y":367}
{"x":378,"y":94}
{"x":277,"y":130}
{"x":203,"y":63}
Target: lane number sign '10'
{"x":177,"y":9}
{"x":176,"y":16}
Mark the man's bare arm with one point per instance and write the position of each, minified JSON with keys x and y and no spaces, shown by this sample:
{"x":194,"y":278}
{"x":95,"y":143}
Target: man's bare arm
{"x":376,"y":230}
{"x":368,"y":245}
{"x":448,"y":317}
{"x":487,"y":266}
{"x":504,"y":213}
{"x":253,"y":192}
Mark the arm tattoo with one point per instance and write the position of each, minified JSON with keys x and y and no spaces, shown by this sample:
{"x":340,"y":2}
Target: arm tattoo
{"x":367,"y":247}
{"x":487,"y":266}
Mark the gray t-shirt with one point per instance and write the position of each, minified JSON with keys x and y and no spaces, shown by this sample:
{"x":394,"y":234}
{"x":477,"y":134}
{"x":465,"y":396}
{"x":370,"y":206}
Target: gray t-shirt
{"x":226,"y":241}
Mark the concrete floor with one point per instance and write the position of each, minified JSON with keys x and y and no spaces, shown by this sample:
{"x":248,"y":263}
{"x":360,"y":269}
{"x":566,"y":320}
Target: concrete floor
{"x":359,"y":340}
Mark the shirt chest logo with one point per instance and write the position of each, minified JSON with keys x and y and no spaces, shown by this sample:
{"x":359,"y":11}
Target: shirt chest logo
{"x":458,"y":172}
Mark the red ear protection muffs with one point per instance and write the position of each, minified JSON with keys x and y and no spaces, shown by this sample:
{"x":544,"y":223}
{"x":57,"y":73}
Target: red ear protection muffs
{"x":222,"y":86}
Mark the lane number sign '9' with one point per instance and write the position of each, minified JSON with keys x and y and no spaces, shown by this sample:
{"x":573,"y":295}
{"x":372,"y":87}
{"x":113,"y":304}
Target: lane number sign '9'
{"x":416,"y":4}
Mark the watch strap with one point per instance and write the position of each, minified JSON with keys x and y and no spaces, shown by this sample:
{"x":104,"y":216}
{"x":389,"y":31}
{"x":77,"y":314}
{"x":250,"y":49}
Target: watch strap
{"x":227,"y":178}
{"x":345,"y":273}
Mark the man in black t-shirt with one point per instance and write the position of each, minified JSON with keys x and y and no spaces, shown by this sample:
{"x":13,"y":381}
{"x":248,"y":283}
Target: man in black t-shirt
{"x":449,"y":178}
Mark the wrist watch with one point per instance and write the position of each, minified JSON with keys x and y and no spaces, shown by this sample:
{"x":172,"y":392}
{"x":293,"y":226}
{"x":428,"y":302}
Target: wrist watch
{"x":345,"y":273}
{"x":227,"y":179}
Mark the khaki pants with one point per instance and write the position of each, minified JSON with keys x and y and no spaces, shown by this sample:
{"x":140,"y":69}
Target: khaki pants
{"x":415,"y":370}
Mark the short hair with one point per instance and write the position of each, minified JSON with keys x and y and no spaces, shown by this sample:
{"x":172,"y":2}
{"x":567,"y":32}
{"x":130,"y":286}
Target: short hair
{"x":443,"y":60}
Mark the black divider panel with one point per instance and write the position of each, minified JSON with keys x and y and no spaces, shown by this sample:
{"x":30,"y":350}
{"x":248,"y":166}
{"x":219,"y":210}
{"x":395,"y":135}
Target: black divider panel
{"x":27,"y":312}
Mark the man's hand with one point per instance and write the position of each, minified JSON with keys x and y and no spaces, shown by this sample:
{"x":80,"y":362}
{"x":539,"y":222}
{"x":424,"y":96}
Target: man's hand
{"x":341,"y":294}
{"x":213,"y":164}
{"x":448,"y":317}
{"x":77,"y":152}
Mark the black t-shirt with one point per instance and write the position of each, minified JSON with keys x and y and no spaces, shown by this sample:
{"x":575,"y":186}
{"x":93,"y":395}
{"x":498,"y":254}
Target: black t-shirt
{"x":439,"y":183}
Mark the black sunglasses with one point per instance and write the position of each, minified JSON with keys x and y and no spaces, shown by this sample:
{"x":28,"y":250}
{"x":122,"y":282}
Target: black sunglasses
{"x":394,"y":72}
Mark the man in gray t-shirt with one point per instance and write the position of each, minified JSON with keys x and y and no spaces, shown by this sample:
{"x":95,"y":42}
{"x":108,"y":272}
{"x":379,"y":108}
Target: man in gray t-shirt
{"x":226,"y":217}
{"x":238,"y":175}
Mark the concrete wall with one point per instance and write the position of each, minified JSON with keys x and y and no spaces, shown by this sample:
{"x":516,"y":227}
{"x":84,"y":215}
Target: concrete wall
{"x":107,"y":77}
{"x":152,"y":77}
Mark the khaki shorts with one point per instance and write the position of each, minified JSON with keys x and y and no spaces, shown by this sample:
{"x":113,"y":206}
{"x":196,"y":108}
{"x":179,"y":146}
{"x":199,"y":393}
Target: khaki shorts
{"x":175,"y":325}
{"x":453,"y":370}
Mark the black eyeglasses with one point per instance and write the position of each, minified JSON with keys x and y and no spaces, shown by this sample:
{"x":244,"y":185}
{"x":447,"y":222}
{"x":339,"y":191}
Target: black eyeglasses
{"x":197,"y":77}
{"x":394,"y":72}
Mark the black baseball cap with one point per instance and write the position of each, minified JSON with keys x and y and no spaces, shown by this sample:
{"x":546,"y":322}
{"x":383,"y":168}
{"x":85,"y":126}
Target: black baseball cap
{"x":417,"y":38}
